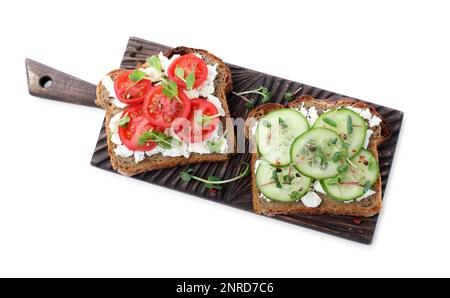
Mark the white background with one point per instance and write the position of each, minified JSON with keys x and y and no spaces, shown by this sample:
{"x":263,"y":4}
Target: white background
{"x":59,"y":216}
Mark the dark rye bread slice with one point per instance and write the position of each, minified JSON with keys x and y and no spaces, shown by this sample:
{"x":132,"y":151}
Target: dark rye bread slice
{"x":127,"y":166}
{"x":365,"y":208}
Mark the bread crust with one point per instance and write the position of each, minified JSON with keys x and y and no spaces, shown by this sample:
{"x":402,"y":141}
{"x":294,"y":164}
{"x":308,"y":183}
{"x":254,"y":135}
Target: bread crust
{"x":126,"y":165}
{"x":367,"y":207}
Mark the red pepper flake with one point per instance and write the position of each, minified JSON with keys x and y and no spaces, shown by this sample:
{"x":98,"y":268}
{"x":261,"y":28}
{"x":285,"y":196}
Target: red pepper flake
{"x":357,"y":220}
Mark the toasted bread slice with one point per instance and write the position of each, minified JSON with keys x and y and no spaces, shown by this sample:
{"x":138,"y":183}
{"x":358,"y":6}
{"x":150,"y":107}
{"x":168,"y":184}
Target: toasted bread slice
{"x":127,"y":166}
{"x":364,"y":208}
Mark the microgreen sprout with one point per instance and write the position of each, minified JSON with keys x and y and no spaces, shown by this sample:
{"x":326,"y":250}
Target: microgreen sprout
{"x":265,"y":93}
{"x":213,"y":182}
{"x":289,"y":96}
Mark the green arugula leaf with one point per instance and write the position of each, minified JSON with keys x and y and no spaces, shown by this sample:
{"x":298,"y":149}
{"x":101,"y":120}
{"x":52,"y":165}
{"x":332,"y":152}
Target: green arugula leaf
{"x":330,"y":121}
{"x":154,"y":62}
{"x":349,"y":125}
{"x":137,"y":75}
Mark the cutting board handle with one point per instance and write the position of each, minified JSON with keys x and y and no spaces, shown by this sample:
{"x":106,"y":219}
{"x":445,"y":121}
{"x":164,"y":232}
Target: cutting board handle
{"x":47,"y":82}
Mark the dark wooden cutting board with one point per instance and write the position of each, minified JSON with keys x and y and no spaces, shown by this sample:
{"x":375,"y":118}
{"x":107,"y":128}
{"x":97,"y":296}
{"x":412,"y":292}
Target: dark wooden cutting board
{"x":238,"y":193}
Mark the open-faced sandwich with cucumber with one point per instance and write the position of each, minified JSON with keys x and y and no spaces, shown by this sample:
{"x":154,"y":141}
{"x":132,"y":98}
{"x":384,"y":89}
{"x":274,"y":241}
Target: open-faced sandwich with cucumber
{"x":316,"y":157}
{"x":171,"y":110}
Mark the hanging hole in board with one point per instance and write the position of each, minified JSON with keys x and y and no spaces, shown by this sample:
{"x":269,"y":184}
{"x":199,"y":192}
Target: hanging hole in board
{"x":45,"y":82}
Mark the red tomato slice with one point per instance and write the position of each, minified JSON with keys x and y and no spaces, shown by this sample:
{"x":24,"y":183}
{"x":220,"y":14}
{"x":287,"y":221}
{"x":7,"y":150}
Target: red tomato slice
{"x":188,"y":62}
{"x":130,"y":132}
{"x":190,"y":130}
{"x":162,"y":111}
{"x":128,"y":91}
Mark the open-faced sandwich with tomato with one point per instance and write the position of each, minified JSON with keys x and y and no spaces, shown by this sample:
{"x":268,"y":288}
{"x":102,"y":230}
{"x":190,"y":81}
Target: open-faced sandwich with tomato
{"x":171,"y":110}
{"x":316,"y":157}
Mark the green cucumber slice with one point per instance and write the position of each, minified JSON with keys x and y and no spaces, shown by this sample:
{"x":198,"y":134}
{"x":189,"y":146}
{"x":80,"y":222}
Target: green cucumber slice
{"x":351,"y":184}
{"x":350,"y":126}
{"x":318,"y":153}
{"x":275,"y":133}
{"x":289,"y":179}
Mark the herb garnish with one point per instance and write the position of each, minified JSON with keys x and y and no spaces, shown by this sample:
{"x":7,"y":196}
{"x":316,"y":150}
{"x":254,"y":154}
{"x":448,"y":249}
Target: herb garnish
{"x":215,"y":146}
{"x":334,"y":181}
{"x":330,"y":121}
{"x":213,"y":186}
{"x":338,"y":155}
{"x":295,"y":195}
{"x":189,"y":80}
{"x":289,"y":96}
{"x":287,"y":179}
{"x":275,"y":178}
{"x":155,"y":62}
{"x":349,"y":125}
{"x":136,"y":76}
{"x":164,"y":141}
{"x":351,"y":163}
{"x":342,"y":168}
{"x":282,"y":123}
{"x":123,"y":121}
{"x":205,"y":119}
{"x":170,"y":88}
{"x":263,"y":91}
{"x":333,"y":141}
{"x":213,"y":182}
